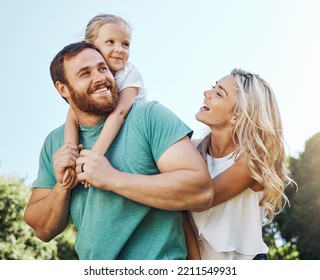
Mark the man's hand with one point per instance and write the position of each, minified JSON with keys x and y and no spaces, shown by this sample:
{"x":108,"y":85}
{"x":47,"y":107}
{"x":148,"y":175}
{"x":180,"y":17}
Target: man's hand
{"x":64,"y":164}
{"x":96,"y":170}
{"x":183,"y":182}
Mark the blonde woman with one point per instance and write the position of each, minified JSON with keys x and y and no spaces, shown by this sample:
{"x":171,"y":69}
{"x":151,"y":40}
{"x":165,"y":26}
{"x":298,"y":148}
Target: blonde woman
{"x":245,"y":143}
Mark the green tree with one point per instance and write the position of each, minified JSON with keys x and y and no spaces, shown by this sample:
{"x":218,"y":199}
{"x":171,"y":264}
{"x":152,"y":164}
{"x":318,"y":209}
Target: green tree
{"x":17,"y":239}
{"x":299,"y":225}
{"x":278,"y":248}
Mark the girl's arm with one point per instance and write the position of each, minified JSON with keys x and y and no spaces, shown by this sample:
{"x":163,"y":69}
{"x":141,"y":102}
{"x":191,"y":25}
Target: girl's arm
{"x":191,"y":239}
{"x":71,"y":135}
{"x":115,"y":120}
{"x":71,"y":130}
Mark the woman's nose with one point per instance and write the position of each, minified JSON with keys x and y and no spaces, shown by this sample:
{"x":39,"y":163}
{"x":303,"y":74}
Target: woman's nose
{"x":206,"y":93}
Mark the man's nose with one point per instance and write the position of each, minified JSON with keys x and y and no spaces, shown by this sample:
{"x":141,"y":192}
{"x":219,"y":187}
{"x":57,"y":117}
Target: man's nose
{"x":99,"y":78}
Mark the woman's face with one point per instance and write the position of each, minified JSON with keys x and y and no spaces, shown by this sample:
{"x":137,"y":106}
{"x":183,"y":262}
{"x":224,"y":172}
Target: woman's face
{"x":219,"y":103}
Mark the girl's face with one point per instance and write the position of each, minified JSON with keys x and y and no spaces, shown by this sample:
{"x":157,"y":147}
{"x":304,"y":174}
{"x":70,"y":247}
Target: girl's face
{"x":219,"y":103}
{"x":113,"y":41}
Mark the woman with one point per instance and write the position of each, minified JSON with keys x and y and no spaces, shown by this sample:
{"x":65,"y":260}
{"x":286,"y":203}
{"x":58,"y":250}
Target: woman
{"x":245,"y":145}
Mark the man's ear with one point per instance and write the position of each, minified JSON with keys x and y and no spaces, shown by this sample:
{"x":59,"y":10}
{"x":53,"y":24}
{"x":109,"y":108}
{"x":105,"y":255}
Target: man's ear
{"x":62,"y":89}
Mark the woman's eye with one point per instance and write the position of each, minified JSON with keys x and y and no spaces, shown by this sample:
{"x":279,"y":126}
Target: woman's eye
{"x":219,"y":94}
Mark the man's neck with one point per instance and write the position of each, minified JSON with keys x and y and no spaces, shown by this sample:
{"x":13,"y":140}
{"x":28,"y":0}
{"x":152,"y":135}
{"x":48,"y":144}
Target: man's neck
{"x":89,"y":119}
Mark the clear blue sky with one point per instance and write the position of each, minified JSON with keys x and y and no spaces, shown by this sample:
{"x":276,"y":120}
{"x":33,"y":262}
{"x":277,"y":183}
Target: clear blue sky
{"x":180,"y":47}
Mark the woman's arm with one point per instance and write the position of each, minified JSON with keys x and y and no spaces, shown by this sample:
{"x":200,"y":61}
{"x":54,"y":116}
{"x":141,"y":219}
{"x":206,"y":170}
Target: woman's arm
{"x":232,"y":181}
{"x":191,"y":239}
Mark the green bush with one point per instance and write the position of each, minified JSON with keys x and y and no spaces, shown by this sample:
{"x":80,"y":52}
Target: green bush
{"x":17,"y":239}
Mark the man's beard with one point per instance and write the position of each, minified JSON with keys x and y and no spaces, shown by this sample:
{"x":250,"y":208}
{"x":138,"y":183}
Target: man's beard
{"x":85,"y":103}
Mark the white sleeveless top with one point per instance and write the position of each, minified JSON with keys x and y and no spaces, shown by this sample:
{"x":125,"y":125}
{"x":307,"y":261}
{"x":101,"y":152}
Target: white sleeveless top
{"x":233,"y":229}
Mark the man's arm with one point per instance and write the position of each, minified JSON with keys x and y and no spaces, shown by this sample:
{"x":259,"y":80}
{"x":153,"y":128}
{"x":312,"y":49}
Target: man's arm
{"x":184,"y":181}
{"x":47,"y":211}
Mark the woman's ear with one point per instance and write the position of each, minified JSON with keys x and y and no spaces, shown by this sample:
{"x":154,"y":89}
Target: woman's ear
{"x":234,"y":120}
{"x":62,"y":89}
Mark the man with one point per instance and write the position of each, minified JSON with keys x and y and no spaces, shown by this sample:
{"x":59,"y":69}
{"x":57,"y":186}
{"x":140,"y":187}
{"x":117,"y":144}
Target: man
{"x":150,"y":173}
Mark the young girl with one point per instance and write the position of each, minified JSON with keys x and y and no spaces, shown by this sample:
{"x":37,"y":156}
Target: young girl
{"x":112,"y":36}
{"x":245,"y":144}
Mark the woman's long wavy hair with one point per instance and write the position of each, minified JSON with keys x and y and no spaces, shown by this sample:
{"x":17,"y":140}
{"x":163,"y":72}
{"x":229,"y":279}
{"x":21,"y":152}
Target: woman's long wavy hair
{"x":258,"y":135}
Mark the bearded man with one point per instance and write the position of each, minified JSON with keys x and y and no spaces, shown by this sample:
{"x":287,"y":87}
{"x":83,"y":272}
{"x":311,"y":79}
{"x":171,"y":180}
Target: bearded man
{"x":150,"y":173}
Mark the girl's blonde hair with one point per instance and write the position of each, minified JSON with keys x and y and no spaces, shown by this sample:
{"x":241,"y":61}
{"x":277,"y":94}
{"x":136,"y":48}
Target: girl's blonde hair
{"x":96,"y":22}
{"x":258,"y":135}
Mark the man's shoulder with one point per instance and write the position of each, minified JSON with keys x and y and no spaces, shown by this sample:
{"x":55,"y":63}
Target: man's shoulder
{"x":154,"y":112}
{"x":58,"y":130}
{"x":56,"y":133}
{"x":148,"y":107}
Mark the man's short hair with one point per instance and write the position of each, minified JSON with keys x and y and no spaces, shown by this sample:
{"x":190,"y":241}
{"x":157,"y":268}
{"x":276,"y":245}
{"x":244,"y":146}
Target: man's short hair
{"x":57,"y":70}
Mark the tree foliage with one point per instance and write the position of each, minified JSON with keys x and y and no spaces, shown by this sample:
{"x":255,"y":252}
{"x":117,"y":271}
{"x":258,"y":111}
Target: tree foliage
{"x":299,"y":224}
{"x":17,"y":239}
{"x":279,"y":249}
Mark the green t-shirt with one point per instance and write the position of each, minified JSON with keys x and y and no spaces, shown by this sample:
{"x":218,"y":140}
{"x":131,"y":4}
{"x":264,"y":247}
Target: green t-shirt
{"x":109,"y":225}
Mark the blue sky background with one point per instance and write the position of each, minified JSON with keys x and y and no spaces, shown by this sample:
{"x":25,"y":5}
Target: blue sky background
{"x":180,"y":47}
